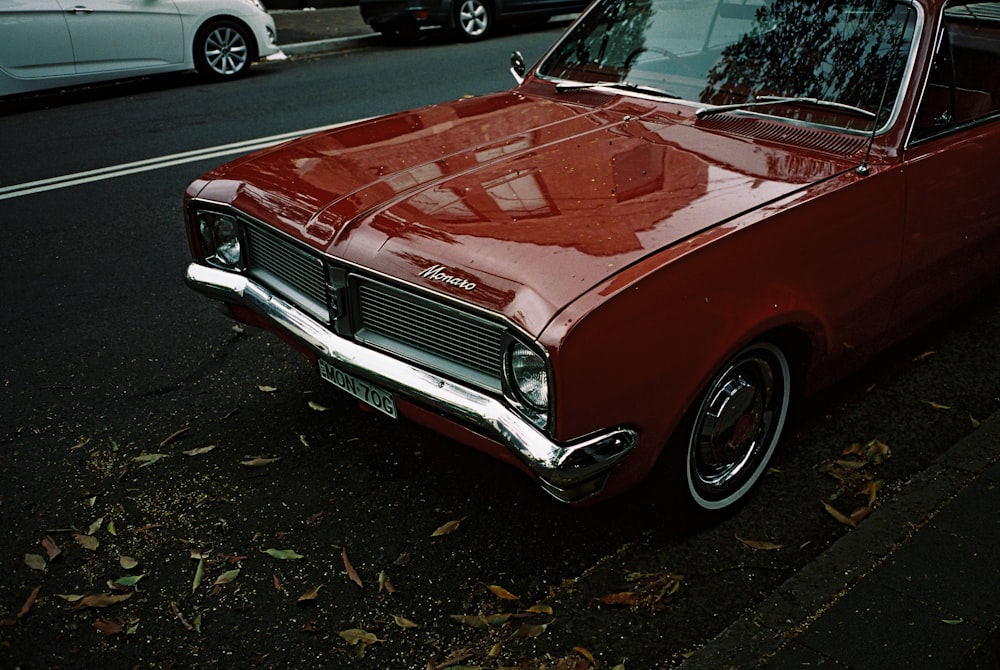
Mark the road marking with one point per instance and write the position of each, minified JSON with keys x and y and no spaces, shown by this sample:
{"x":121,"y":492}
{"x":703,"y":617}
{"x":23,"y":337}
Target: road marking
{"x":149,"y":164}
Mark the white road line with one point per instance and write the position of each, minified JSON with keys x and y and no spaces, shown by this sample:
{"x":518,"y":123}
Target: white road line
{"x":149,"y":164}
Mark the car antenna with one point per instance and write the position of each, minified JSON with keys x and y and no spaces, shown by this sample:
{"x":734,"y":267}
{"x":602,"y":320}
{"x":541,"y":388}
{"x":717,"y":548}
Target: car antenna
{"x":864,"y":169}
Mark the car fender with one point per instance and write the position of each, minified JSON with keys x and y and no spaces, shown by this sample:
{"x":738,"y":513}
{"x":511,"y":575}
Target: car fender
{"x":639,"y":349}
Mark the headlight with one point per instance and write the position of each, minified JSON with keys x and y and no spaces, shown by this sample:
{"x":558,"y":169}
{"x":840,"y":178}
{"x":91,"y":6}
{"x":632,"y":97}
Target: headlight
{"x":220,"y":238}
{"x":528,"y":377}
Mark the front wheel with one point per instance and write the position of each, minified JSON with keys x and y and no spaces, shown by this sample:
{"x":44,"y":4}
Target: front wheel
{"x":473,"y":19}
{"x":733,"y":431}
{"x":223,"y":50}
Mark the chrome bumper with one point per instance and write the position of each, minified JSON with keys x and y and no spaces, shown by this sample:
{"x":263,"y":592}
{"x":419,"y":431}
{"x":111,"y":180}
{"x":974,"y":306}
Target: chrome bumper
{"x":569,"y":472}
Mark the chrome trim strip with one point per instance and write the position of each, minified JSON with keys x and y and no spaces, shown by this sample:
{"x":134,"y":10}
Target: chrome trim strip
{"x":569,"y":472}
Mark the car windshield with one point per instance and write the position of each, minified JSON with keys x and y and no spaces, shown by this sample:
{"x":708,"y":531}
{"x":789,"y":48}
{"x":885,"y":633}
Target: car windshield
{"x":837,"y":63}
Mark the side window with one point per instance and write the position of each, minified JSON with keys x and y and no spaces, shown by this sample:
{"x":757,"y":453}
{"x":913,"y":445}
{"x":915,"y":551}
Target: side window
{"x":964,"y":83}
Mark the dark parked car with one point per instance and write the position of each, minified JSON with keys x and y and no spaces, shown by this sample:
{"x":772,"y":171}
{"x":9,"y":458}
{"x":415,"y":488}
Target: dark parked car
{"x":687,"y":214}
{"x":470,"y":19}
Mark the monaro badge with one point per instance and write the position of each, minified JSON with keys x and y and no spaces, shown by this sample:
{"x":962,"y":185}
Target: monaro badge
{"x":439,"y":273}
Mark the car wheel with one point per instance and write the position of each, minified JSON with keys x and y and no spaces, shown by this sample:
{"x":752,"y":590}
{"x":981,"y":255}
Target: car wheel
{"x":473,"y":19}
{"x":223,"y":50}
{"x":733,"y":431}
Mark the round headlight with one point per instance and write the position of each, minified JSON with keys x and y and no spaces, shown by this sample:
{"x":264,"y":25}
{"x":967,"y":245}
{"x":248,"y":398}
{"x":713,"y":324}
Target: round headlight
{"x":528,"y":376}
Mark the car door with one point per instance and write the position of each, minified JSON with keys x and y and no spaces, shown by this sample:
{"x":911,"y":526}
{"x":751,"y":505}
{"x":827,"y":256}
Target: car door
{"x":951,"y":167}
{"x":34,"y":39}
{"x":110,"y":35}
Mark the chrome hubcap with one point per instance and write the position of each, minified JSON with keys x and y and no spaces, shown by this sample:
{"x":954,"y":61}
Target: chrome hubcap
{"x":737,"y":426}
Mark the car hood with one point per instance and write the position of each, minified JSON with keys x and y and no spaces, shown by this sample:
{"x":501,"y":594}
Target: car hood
{"x":515,"y":202}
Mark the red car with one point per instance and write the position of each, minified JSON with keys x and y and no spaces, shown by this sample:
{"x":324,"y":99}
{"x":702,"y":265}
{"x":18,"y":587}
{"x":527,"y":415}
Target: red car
{"x":684,"y":216}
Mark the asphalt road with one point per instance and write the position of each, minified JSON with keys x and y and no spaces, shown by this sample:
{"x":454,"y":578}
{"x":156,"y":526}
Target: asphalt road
{"x":131,"y":412}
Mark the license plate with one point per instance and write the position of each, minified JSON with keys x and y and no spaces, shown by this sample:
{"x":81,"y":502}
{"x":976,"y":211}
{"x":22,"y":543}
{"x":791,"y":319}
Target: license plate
{"x":362,"y":390}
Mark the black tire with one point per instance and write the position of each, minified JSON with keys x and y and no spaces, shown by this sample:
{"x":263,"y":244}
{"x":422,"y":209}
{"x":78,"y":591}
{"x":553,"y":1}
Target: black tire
{"x":473,"y":19}
{"x":224,"y":49}
{"x":728,"y":438}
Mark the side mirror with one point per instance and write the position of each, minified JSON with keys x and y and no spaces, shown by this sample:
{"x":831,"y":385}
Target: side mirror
{"x":517,"y":67}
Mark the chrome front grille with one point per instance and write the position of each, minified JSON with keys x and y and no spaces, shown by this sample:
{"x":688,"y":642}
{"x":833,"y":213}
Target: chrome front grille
{"x":426,"y":332}
{"x":288,"y":269}
{"x":431,"y":333}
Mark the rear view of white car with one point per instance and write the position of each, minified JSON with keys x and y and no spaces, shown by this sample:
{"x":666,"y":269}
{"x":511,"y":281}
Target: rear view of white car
{"x":52,"y":43}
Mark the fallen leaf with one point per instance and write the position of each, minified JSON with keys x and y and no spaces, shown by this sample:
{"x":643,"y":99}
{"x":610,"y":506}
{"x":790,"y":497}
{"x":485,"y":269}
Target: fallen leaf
{"x":96,"y":526}
{"x":358,"y":636}
{"x":384,"y":583}
{"x":539,"y":609}
{"x":311,"y":594}
{"x":87,"y":541}
{"x":652,"y":590}
{"x":953,"y":622}
{"x":198,"y":451}
{"x":70,"y":597}
{"x":196,"y":624}
{"x":283,"y":554}
{"x":277,"y":583}
{"x":976,"y":423}
{"x":127,"y":562}
{"x":403,"y":622}
{"x":838,"y":515}
{"x":317,"y":407}
{"x":871,"y":490}
{"x":227,"y":577}
{"x":580,"y":659}
{"x":129,"y":580}
{"x":303,"y":440}
{"x":266,"y":389}
{"x":924,"y":356}
{"x":624,"y":598}
{"x":51,"y":548}
{"x":26,"y":607}
{"x":937,"y":405}
{"x":877,"y":452}
{"x":501,"y":593}
{"x":351,"y":572}
{"x":199,"y":574}
{"x":36,"y":562}
{"x":79,"y":445}
{"x":106,"y":627}
{"x":174,"y":436}
{"x":448,"y":528}
{"x":258,"y":462}
{"x":100,"y":600}
{"x":761,"y":545}
{"x":480,"y":620}
{"x":858,"y":515}
{"x":529,"y":630}
{"x":180,"y":617}
{"x":145,"y":460}
{"x":112,"y":529}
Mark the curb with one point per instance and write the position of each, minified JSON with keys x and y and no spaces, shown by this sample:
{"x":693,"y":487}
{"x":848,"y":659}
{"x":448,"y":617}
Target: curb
{"x":328,"y":45}
{"x":800,"y":601}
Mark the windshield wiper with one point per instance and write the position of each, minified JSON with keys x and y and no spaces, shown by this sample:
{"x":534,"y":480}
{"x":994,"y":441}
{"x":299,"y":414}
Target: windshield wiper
{"x":620,"y":85}
{"x":767,"y":100}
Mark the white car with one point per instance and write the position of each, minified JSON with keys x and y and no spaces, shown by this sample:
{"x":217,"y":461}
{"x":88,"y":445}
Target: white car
{"x":53,"y":43}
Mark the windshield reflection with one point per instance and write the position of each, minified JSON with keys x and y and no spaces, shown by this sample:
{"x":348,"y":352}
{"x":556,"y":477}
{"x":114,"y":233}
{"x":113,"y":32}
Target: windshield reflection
{"x":850,"y":52}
